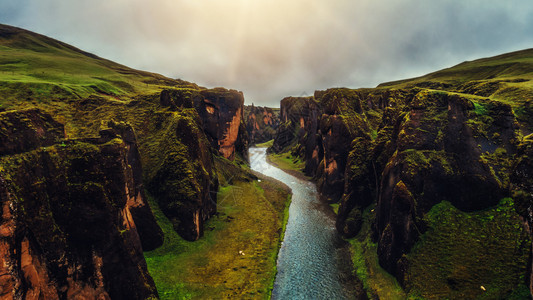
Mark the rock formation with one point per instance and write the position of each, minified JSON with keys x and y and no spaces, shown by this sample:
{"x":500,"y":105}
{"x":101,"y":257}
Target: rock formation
{"x":404,"y":152}
{"x":71,"y":213}
{"x":261,"y":123}
{"x":180,"y":171}
{"x":222,"y":115}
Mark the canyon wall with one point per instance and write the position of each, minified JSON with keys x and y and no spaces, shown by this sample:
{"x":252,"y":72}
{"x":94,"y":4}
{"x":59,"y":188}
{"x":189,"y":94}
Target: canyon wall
{"x":222,"y":115}
{"x":179,"y":149}
{"x":261,"y":123}
{"x":405,"y":154}
{"x":74,"y":217}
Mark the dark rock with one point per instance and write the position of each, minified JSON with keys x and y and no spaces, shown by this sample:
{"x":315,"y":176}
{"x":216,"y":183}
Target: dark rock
{"x":149,"y":232}
{"x":261,"y":123}
{"x":67,"y":228}
{"x":22,"y":131}
{"x":522,"y":191}
{"x":222,"y":115}
{"x":181,"y":173}
{"x":294,"y":112}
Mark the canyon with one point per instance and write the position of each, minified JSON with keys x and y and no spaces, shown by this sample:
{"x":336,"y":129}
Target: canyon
{"x":106,"y":173}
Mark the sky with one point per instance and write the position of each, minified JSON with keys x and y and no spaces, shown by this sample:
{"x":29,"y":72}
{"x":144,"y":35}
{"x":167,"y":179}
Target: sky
{"x":270,"y":49}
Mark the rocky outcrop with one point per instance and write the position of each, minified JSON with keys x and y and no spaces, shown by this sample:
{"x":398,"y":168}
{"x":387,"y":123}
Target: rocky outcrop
{"x":222,"y":115}
{"x":317,"y":129}
{"x":180,"y":171}
{"x":404,"y":152}
{"x":261,"y":123}
{"x":436,"y":158}
{"x":294,"y":111}
{"x":68,"y":229}
{"x":149,"y":232}
{"x":180,"y":147}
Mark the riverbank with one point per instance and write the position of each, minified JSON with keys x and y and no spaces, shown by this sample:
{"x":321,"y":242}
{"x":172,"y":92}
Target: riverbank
{"x":236,"y":258}
{"x":288,"y":164}
{"x":354,"y":250}
{"x":314,"y":262}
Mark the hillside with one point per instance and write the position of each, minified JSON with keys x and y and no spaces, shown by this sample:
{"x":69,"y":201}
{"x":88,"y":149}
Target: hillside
{"x":37,"y":66}
{"x":507,"y":78}
{"x":106,"y":146}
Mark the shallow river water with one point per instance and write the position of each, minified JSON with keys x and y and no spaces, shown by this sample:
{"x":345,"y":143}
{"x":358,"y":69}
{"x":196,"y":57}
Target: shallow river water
{"x":313,"y":261}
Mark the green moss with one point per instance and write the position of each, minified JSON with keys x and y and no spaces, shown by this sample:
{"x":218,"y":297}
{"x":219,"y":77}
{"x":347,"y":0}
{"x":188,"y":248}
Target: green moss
{"x":463,"y":251}
{"x":266,"y":144}
{"x":416,"y":160}
{"x":286,"y":161}
{"x":335,"y":207}
{"x":480,"y":109}
{"x":237,"y":256}
{"x":376,"y":281}
{"x":500,"y":164}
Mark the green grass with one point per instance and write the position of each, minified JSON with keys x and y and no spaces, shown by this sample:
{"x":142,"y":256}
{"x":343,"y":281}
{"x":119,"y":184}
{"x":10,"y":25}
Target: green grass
{"x":507,"y":78}
{"x":34,"y":67}
{"x":335,"y":207}
{"x":266,"y":144}
{"x":463,"y":251}
{"x":286,"y":161}
{"x":378,"y":283}
{"x":251,"y":219}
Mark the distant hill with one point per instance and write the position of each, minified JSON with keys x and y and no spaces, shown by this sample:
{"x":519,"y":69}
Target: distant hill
{"x":33,"y":66}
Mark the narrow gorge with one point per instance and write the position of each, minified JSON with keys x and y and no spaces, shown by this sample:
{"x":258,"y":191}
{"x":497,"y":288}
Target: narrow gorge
{"x":117,"y":183}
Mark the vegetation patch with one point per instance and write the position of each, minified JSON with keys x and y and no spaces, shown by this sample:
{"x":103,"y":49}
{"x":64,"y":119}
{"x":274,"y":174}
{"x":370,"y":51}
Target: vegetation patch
{"x":286,"y":161}
{"x":377,"y":282}
{"x":480,"y":255}
{"x":265,"y":144}
{"x":237,"y":256}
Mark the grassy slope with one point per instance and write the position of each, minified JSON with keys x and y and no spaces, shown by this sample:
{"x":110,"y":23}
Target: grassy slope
{"x":215,"y":267}
{"x":35,"y":67}
{"x":471,"y":255}
{"x":507,"y":78}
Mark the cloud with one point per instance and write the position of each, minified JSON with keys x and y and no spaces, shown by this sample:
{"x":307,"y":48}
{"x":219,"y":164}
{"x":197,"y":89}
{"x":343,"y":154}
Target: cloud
{"x":274,"y":48}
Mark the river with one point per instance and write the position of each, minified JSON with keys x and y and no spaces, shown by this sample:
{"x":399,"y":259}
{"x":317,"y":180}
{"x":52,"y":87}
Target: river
{"x":313,"y":261}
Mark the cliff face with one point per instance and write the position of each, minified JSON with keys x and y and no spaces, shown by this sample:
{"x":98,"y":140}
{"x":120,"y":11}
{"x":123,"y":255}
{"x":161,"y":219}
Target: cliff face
{"x":294,"y":111}
{"x":71,"y":211}
{"x":261,"y":123}
{"x":522,"y":190}
{"x":440,"y":153}
{"x":222,"y":115}
{"x":407,"y":153}
{"x":181,"y":171}
{"x":179,"y":148}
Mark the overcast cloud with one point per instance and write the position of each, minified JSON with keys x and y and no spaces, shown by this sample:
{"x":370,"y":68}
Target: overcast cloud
{"x":270,"y":49}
